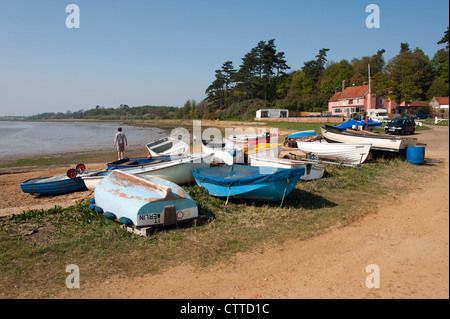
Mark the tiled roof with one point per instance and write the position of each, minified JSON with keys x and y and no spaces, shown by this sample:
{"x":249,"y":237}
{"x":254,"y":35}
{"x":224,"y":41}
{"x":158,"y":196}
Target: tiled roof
{"x":351,"y":93}
{"x":441,"y":100}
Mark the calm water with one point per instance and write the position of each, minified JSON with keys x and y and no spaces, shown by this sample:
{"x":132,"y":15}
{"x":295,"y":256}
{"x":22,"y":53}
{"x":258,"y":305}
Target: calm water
{"x":25,"y":139}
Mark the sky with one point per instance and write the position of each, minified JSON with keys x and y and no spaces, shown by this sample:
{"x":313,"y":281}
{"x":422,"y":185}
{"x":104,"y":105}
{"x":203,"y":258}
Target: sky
{"x":145,"y":52}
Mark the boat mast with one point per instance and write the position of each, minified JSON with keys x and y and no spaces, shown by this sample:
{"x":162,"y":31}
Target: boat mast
{"x":370,"y":93}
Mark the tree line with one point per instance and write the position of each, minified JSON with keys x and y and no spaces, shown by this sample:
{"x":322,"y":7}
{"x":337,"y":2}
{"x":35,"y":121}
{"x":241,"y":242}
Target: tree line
{"x":261,"y":80}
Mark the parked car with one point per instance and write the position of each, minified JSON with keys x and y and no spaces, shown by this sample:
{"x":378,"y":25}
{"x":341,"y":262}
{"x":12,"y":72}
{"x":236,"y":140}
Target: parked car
{"x":400,"y":126}
{"x":421,"y":116}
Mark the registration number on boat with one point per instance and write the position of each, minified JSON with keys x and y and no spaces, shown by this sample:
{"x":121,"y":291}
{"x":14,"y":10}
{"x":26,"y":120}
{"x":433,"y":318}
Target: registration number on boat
{"x":150,"y":218}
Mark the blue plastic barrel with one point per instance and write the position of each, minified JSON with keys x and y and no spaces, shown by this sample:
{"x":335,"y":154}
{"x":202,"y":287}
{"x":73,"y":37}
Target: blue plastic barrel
{"x":415,"y":155}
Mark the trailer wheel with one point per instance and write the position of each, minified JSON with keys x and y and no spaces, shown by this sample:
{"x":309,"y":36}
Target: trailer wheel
{"x":71,"y":173}
{"x":80,"y":168}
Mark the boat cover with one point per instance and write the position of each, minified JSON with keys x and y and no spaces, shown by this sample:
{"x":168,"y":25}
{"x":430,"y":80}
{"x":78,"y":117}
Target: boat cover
{"x":236,"y":175}
{"x":350,"y":123}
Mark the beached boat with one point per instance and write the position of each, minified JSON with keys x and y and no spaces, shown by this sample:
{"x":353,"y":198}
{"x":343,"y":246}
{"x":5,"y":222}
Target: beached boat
{"x":264,"y":149}
{"x":384,"y":143}
{"x":312,"y":170}
{"x":57,"y":185}
{"x":302,"y":134}
{"x":348,"y":153}
{"x":141,"y":161}
{"x":223,"y":151}
{"x":250,"y":139}
{"x":306,"y":136}
{"x":143,"y":200}
{"x":354,"y":123}
{"x":167,"y":146}
{"x":178,"y":171}
{"x":249,"y":182}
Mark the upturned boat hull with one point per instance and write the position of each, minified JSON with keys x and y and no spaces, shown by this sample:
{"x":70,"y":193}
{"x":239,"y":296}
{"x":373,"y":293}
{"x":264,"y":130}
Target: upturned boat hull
{"x":143,"y":201}
{"x":302,"y":134}
{"x":56,"y":185}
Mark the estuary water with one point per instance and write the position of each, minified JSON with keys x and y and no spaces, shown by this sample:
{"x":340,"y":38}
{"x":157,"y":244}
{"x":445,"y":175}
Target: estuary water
{"x":27,"y":139}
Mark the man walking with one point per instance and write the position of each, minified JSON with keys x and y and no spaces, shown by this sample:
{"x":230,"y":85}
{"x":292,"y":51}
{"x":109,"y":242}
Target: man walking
{"x":120,"y":142}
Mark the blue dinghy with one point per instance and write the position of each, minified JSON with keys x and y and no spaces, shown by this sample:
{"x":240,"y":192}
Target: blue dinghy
{"x":141,"y":161}
{"x":302,"y":134}
{"x":143,"y":200}
{"x":56,"y":185}
{"x":256,"y":183}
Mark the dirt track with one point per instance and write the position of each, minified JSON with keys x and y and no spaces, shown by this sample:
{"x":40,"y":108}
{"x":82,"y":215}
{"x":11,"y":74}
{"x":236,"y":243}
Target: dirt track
{"x":407,"y":240}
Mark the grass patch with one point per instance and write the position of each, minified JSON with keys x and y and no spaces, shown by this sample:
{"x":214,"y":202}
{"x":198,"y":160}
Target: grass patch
{"x":37,"y":245}
{"x":432,"y":122}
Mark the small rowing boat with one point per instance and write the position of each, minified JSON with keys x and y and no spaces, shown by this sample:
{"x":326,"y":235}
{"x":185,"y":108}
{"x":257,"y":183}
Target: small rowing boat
{"x":312,"y":170}
{"x":348,"y":153}
{"x":382,"y":143}
{"x":178,"y":171}
{"x":70,"y":182}
{"x":143,"y":200}
{"x":223,"y":151}
{"x":167,"y":146}
{"x":249,"y":182}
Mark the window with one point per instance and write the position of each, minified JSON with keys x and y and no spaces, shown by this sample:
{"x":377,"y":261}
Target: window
{"x":337,"y":111}
{"x":357,"y":101}
{"x":381,"y":100}
{"x":350,"y":101}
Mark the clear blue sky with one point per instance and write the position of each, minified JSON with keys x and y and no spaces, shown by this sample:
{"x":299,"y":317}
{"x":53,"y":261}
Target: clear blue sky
{"x":165,"y":52}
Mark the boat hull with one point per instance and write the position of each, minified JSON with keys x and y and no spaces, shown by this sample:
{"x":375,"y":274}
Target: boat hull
{"x":381,"y":143}
{"x":302,"y":134}
{"x":55,"y":185}
{"x":349,"y":153}
{"x":265,"y":150}
{"x":223,"y":151}
{"x":167,"y":146}
{"x":249,"y":182}
{"x":178,"y":171}
{"x":143,"y":201}
{"x":312,"y":170}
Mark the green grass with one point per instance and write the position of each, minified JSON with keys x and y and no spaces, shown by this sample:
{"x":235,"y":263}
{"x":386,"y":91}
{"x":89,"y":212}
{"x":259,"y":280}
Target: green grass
{"x":37,"y":245}
{"x":432,"y":122}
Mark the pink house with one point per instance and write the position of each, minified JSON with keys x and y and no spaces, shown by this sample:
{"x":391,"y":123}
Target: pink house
{"x":356,"y":99}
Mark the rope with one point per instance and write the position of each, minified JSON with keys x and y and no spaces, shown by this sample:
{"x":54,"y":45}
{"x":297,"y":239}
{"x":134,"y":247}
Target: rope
{"x":284,"y":194}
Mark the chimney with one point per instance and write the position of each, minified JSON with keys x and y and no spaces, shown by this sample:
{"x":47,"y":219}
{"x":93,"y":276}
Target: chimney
{"x":344,"y":85}
{"x":336,"y":89}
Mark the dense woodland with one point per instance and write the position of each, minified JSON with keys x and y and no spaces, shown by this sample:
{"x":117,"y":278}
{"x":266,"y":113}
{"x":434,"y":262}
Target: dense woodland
{"x":263,"y":79}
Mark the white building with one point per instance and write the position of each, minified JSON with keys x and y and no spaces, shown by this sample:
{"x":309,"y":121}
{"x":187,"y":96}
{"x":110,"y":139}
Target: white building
{"x":271,"y":113}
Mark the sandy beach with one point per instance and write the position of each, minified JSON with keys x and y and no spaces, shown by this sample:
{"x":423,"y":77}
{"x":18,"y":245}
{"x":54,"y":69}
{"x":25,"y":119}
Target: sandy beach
{"x":408,"y":240}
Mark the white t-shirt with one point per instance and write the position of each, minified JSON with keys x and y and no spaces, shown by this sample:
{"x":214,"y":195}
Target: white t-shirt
{"x":120,"y":136}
